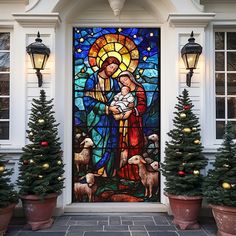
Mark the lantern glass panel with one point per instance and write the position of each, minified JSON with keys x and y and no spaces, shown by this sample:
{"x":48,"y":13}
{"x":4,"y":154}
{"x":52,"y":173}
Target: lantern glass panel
{"x":192,"y":60}
{"x":39,"y":61}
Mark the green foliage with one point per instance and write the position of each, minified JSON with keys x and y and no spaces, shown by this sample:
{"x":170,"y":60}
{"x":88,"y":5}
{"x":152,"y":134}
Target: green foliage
{"x":220,"y":183}
{"x":183,"y":153}
{"x":7,"y":193}
{"x":41,"y":166}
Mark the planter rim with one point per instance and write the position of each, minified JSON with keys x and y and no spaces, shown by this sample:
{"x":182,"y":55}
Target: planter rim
{"x":183,"y":197}
{"x":222,"y":207}
{"x":37,"y":197}
{"x":11,"y":206}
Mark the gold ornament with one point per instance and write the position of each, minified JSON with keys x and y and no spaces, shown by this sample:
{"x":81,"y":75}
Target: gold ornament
{"x":41,"y":121}
{"x":31,"y":161}
{"x":196,"y":172}
{"x":31,"y":134}
{"x":59,"y":162}
{"x":45,"y":166}
{"x":226,"y":165}
{"x":232,"y":185}
{"x":59,"y":178}
{"x":226,"y":185}
{"x":194,"y":129}
{"x":183,"y":115}
{"x":40,"y":176}
{"x":187,"y":130}
{"x":197,"y":141}
{"x":2,"y":168}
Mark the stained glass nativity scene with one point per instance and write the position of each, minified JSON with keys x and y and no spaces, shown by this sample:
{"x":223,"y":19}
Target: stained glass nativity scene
{"x":116,"y":114}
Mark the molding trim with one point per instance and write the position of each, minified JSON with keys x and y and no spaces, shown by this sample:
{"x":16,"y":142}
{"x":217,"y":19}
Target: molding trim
{"x":109,"y":207}
{"x":37,"y":19}
{"x":190,"y":20}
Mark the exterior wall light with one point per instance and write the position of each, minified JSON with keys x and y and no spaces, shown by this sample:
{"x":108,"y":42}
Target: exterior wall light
{"x":39,"y":54}
{"x":190,"y":54}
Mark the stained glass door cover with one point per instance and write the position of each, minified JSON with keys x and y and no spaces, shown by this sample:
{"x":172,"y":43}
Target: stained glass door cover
{"x":116,"y":114}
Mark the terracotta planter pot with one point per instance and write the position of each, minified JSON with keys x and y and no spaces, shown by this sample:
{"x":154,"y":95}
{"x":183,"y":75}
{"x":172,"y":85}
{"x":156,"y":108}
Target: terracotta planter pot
{"x":185,"y":210}
{"x":225,"y":218}
{"x":39,"y":212}
{"x":5,"y":217}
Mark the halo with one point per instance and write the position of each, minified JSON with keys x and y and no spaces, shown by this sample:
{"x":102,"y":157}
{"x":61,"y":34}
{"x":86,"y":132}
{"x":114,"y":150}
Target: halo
{"x":115,"y":45}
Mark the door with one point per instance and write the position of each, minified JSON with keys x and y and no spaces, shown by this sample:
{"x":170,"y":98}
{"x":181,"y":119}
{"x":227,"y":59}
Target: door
{"x":116,"y":114}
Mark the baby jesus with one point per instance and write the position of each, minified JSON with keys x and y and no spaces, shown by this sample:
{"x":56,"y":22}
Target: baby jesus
{"x":124,"y":102}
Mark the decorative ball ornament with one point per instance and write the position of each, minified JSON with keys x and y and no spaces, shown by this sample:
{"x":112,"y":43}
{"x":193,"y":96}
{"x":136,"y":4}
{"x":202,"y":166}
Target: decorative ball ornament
{"x":2,"y":168}
{"x":31,"y":134}
{"x":25,"y":162}
{"x":226,"y":185}
{"x":40,"y":176}
{"x":181,"y":173}
{"x":44,"y":143}
{"x":186,"y":107}
{"x":59,"y":162}
{"x":187,"y":130}
{"x":182,"y":115}
{"x":226,"y":165}
{"x":59,"y":178}
{"x":45,"y":166}
{"x":197,"y":141}
{"x":196,"y":172}
{"x":41,"y":121}
{"x":31,"y":161}
{"x":194,"y":129}
{"x":233,"y":185}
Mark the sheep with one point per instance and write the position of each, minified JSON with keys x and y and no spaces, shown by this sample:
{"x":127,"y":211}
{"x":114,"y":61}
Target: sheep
{"x":155,"y":139}
{"x":148,"y":179}
{"x":86,"y":186}
{"x":84,"y":156}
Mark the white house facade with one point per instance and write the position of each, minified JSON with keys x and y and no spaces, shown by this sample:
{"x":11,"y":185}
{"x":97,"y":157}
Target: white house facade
{"x":213,"y":89}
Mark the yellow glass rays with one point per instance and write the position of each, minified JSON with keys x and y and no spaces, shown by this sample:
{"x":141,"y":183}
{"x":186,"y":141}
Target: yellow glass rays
{"x":114,"y":45}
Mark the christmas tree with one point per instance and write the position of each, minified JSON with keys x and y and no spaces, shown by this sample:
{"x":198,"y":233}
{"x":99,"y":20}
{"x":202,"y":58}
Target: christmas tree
{"x":220,"y":183}
{"x":7,"y":193}
{"x":183,"y":153}
{"x":41,"y":166}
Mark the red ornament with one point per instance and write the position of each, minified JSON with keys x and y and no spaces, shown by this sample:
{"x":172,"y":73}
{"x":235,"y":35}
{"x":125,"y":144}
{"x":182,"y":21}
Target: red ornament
{"x":25,"y":162}
{"x":181,"y":173}
{"x":186,"y":107}
{"x":44,"y":143}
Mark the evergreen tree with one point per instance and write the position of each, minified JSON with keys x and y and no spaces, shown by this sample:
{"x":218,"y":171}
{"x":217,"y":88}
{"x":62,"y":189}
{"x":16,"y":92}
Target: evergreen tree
{"x":183,"y":153}
{"x":7,"y":193}
{"x":220,"y":183}
{"x":41,"y":166}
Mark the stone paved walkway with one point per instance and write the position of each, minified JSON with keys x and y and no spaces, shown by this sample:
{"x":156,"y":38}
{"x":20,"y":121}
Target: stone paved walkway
{"x":127,"y":224}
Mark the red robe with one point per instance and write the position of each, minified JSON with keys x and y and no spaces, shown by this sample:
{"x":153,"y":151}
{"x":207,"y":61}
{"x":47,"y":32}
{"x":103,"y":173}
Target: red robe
{"x":132,"y":138}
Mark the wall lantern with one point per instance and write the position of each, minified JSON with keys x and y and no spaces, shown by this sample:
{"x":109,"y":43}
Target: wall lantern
{"x":39,"y":54}
{"x":190,"y":54}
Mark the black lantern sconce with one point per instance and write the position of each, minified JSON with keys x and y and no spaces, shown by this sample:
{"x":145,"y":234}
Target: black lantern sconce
{"x":190,"y":54}
{"x":39,"y":54}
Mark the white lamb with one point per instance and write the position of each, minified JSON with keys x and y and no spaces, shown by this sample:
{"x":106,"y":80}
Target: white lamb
{"x":148,"y":179}
{"x":86,"y":186}
{"x":83,"y":157}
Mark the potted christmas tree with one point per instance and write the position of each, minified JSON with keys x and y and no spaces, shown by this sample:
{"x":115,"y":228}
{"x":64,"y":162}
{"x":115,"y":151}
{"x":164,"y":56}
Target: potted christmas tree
{"x":41,"y":168}
{"x":220,"y":185}
{"x":182,"y":165}
{"x":8,"y":197}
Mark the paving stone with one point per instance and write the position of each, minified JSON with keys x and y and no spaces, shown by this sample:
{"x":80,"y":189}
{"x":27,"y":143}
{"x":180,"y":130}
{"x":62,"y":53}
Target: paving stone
{"x":83,"y":222}
{"x":192,"y":233}
{"x":89,"y":217}
{"x":137,"y":228}
{"x":139,"y":233}
{"x":163,"y":233}
{"x":108,"y":233}
{"x":11,"y":233}
{"x":85,"y":228}
{"x":56,"y":228}
{"x":116,"y":228}
{"x":161,"y":220}
{"x":143,"y":222}
{"x":137,"y":218}
{"x":161,"y":228}
{"x":32,"y":233}
{"x":127,"y":222}
{"x":114,"y":220}
{"x":102,"y":222}
{"x":74,"y":234}
{"x":61,"y":222}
